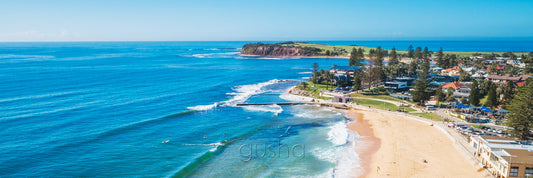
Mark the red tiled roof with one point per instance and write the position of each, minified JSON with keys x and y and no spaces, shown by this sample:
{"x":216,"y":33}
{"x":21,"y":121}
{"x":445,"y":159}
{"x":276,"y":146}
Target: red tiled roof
{"x":454,"y":85}
{"x":520,"y":84}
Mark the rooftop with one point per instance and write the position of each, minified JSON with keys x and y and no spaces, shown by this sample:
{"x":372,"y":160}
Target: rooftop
{"x":519,"y":156}
{"x":454,"y":85}
{"x":346,"y":68}
{"x":508,"y":77}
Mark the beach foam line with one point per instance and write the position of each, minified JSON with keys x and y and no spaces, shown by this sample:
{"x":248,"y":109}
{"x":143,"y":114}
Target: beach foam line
{"x":338,"y":134}
{"x":241,"y":94}
{"x":215,"y":55}
{"x":276,"y":109}
{"x":305,"y":72}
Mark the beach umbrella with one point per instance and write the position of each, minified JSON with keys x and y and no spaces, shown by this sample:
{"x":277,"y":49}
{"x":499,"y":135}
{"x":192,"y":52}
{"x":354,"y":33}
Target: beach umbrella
{"x":488,"y":110}
{"x":483,"y":108}
{"x":461,"y":106}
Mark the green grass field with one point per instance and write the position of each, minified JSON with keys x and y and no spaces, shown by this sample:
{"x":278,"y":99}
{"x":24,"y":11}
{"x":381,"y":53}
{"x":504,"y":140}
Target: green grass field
{"x":383,"y":97}
{"x":429,"y":115}
{"x":367,"y":49}
{"x":380,"y":105}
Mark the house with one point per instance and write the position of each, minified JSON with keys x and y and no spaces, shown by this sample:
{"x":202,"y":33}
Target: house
{"x":396,"y":85}
{"x":504,"y":157}
{"x":454,"y":71}
{"x":435,"y":69}
{"x":502,"y":79}
{"x":454,"y":85}
{"x":344,"y":69}
{"x":461,"y":90}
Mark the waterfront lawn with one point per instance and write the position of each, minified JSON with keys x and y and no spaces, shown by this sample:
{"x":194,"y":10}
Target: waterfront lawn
{"x":380,"y":105}
{"x":383,"y":97}
{"x":428,"y":115}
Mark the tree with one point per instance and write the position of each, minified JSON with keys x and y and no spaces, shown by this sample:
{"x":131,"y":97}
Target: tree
{"x":440,"y":59}
{"x":508,"y":92}
{"x":361,"y":53}
{"x":521,"y":108}
{"x":328,"y":52}
{"x":492,"y":100}
{"x":315,"y":75}
{"x":412,"y":68}
{"x":425,"y":53}
{"x":449,"y":93}
{"x":440,"y":94}
{"x":393,"y":59}
{"x":420,"y":95}
{"x":463,"y":100}
{"x":473,"y":99}
{"x":378,"y":61}
{"x":357,"y":81}
{"x":410,"y":52}
{"x":464,"y":76}
{"x":354,"y":57}
{"x":425,"y":68}
{"x":418,"y":53}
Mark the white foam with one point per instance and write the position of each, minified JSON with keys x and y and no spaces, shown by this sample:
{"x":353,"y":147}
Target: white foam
{"x":203,"y":107}
{"x":216,"y":146}
{"x":241,"y":94}
{"x":338,"y":134}
{"x":216,"y":55}
{"x":305,"y":72}
{"x":276,"y":109}
{"x":326,"y":154}
{"x":348,"y":161}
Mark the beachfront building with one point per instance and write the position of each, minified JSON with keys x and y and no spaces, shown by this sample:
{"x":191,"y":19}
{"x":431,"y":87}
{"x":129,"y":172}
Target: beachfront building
{"x":396,"y":86}
{"x":504,"y":157}
{"x":344,"y":70}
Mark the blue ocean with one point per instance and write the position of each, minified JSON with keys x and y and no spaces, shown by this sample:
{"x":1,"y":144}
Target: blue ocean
{"x":168,"y":109}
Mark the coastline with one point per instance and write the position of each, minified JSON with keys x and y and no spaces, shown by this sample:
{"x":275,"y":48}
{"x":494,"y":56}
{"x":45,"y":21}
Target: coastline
{"x":391,"y":144}
{"x":296,"y":57}
{"x":315,"y":57}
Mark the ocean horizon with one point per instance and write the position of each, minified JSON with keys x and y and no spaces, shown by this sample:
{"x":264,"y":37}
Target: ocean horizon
{"x":169,"y":109}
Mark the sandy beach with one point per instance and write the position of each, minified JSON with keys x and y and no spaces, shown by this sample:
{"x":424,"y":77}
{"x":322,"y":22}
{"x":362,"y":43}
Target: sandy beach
{"x":393,"y":145}
{"x":396,"y":146}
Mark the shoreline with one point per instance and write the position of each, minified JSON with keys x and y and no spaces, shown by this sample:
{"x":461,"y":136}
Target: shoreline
{"x":315,"y":57}
{"x":366,"y":133}
{"x":295,"y":57}
{"x":393,"y":146}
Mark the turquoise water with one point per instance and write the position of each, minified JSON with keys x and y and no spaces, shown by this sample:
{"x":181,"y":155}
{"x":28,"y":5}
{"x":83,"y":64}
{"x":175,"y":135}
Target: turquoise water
{"x":105,"y":109}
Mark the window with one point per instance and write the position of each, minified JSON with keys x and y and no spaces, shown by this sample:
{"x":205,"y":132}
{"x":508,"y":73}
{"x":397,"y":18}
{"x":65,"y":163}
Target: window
{"x":529,"y":172}
{"x":514,"y":172}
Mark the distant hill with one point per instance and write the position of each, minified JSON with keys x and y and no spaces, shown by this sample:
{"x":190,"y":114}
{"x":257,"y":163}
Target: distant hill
{"x":304,"y":49}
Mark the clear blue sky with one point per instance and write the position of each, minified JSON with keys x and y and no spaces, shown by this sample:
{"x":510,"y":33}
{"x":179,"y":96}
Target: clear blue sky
{"x":238,"y":20}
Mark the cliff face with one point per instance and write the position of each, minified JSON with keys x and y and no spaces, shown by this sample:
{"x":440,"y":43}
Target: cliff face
{"x":278,"y":50}
{"x":261,"y":49}
{"x":274,"y":51}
